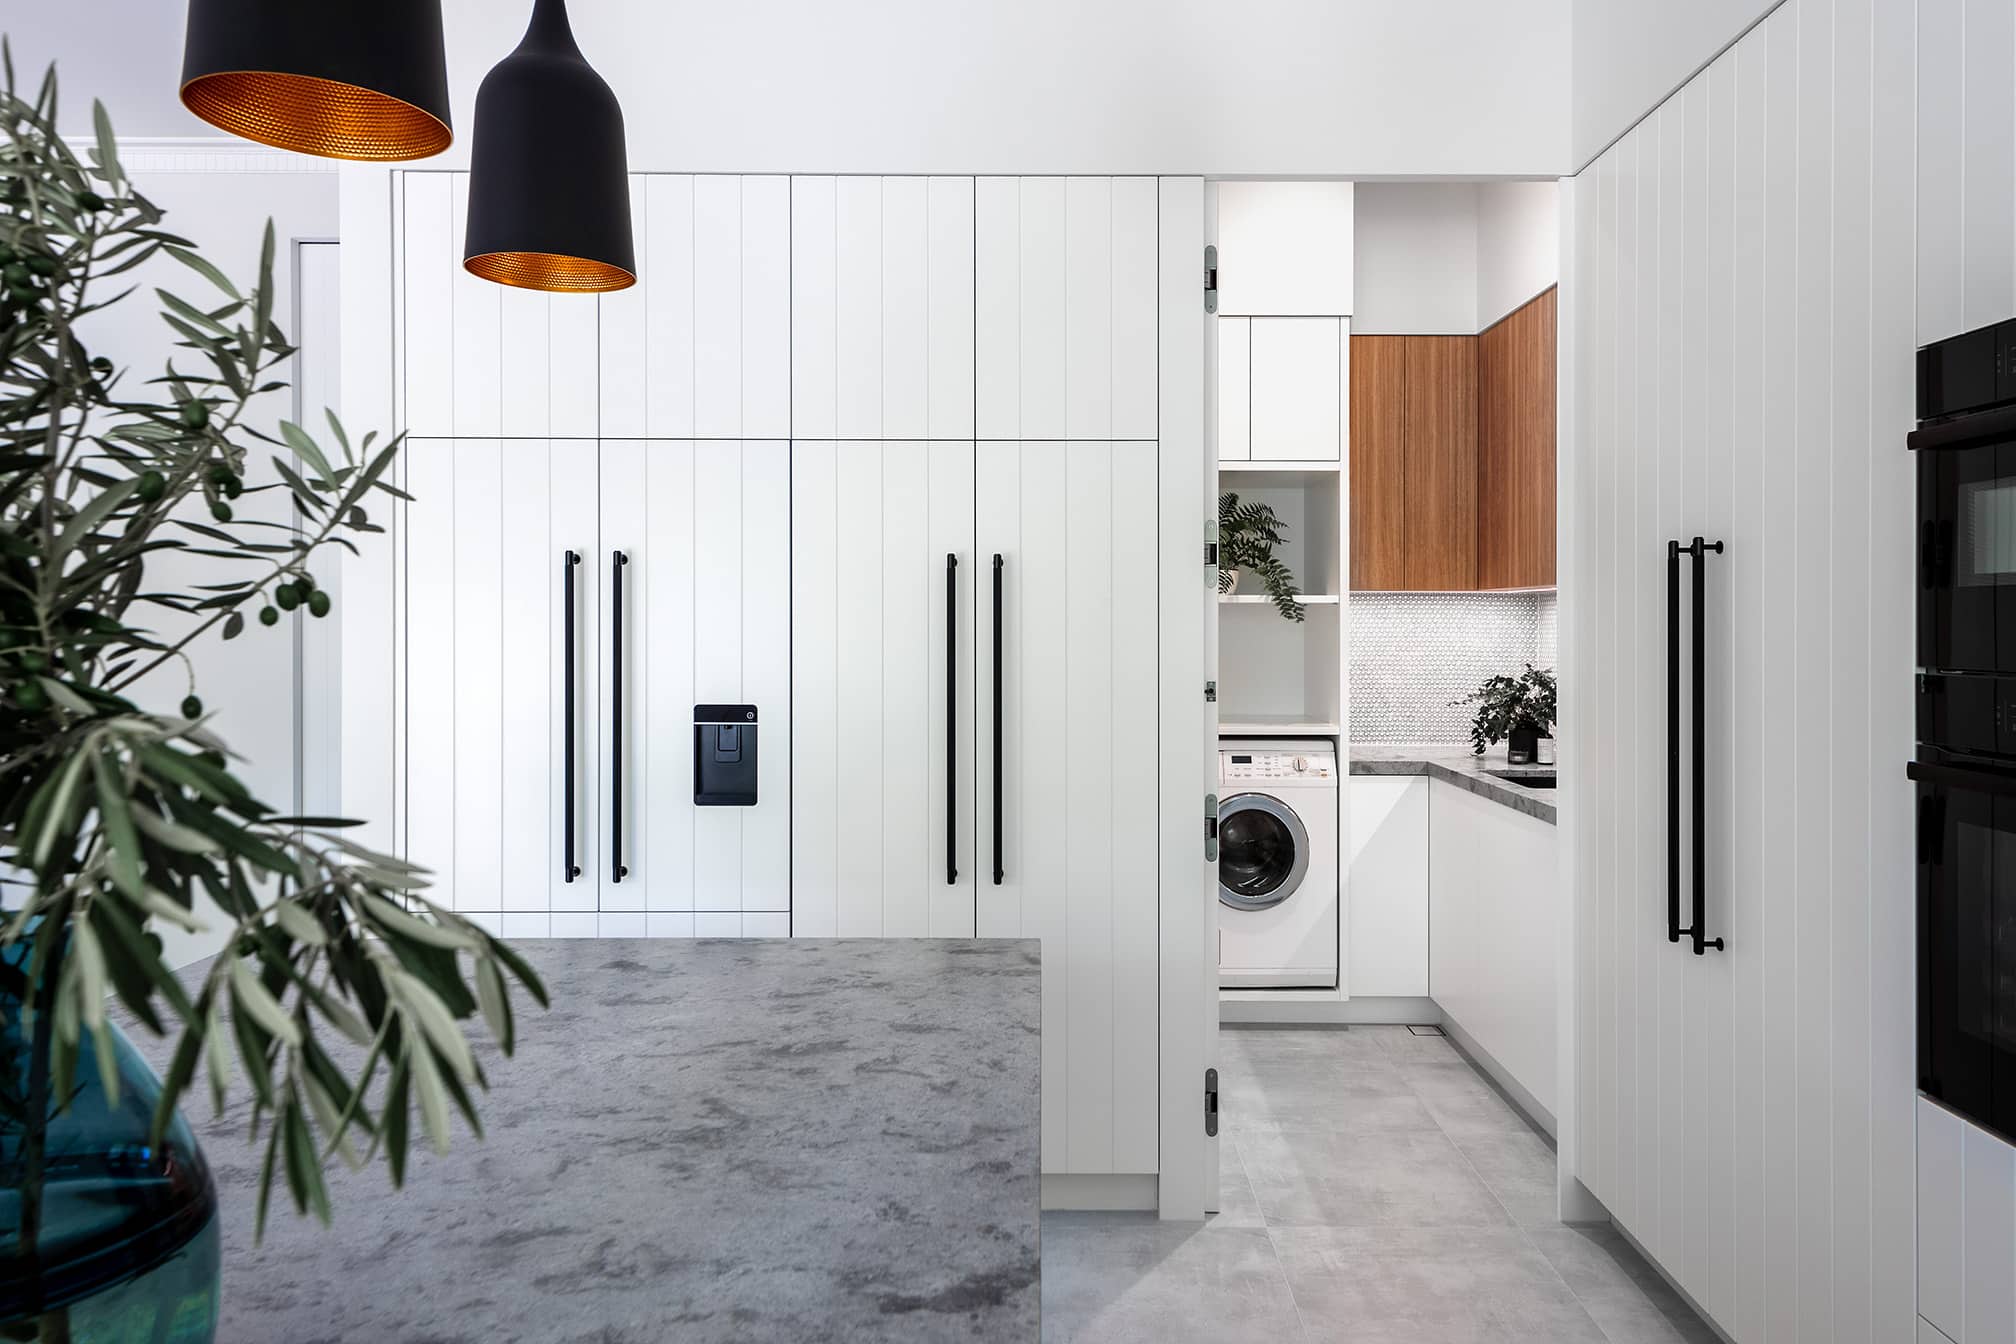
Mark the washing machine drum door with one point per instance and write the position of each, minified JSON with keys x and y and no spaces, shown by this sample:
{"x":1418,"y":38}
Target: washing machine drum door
{"x":1263,"y":851}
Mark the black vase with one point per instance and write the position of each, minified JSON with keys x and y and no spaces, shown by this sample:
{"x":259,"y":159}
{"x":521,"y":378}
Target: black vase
{"x":1522,"y":745}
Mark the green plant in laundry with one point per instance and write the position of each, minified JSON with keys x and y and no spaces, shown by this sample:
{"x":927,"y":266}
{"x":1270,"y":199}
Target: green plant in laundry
{"x":119,"y":815}
{"x":1505,"y":705}
{"x":1247,"y":536}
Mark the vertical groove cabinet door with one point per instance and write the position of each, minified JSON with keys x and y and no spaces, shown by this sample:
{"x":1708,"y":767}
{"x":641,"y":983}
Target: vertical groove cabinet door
{"x":1075,"y":526}
{"x":700,"y":346}
{"x":882,"y":307}
{"x":480,"y":359}
{"x":703,"y":528}
{"x":486,"y":534}
{"x":1066,"y":308}
{"x":872,"y":526}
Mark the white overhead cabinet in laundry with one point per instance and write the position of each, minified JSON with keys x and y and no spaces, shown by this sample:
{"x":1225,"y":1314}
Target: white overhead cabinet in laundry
{"x":1296,"y":400}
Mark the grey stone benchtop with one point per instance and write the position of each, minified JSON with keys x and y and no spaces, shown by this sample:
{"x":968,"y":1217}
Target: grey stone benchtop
{"x":1456,"y":765}
{"x":761,"y":1140}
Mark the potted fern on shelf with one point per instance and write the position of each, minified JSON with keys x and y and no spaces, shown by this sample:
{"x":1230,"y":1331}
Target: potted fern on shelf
{"x":1247,"y":536}
{"x":120,"y":811}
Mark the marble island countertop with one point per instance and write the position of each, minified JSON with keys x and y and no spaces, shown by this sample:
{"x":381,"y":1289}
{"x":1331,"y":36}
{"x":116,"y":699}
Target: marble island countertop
{"x":700,"y":1141}
{"x":1454,"y":763}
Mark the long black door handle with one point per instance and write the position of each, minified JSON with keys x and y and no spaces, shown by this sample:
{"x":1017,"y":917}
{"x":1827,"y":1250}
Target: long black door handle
{"x":1698,"y":550}
{"x":617,"y":870}
{"x":569,"y":870}
{"x":951,"y":720}
{"x":998,"y":872}
{"x":1672,"y":741}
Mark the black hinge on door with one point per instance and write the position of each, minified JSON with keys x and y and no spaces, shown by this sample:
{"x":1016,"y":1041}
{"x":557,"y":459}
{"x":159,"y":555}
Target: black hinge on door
{"x":1211,"y":1103}
{"x":1211,"y":828}
{"x":1211,"y":553}
{"x":1210,"y":692}
{"x":1210,"y":279}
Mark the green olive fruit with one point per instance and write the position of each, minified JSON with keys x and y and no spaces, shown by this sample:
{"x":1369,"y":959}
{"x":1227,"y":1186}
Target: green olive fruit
{"x":287,"y":596}
{"x":102,"y":364}
{"x":30,"y":696}
{"x":42,"y":265}
{"x":32,"y":660}
{"x":318,"y":603}
{"x":192,"y":708}
{"x":16,"y":273}
{"x":221,"y":512}
{"x":152,"y":486}
{"x":195,"y":414}
{"x":219,"y":473}
{"x":268,"y":616}
{"x":304,"y":581}
{"x":90,"y":200}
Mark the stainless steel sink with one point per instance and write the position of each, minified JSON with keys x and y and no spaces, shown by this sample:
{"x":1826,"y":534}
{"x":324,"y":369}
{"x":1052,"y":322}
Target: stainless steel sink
{"x":1525,"y":777}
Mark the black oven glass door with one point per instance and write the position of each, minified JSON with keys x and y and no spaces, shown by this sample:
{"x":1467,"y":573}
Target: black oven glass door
{"x":1967,"y":558}
{"x":1967,"y":947}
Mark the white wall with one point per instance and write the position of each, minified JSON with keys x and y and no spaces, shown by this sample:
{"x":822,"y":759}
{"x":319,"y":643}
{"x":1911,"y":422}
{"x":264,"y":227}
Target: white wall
{"x":1630,"y":54}
{"x":1518,"y":245}
{"x":249,"y":683}
{"x":1340,"y":87}
{"x":1417,"y":259}
{"x":1740,"y":310}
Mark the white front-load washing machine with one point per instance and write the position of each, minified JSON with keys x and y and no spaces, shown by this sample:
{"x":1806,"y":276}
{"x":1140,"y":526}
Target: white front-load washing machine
{"x":1277,"y":865}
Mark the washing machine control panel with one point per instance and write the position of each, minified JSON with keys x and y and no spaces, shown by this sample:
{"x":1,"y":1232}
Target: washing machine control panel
{"x":1238,"y":765}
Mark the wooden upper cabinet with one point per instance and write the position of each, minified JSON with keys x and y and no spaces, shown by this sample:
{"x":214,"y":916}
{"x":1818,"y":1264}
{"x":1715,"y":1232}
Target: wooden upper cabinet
{"x":1378,"y":480}
{"x":1452,"y":457}
{"x":1516,"y":433}
{"x":1440,"y":458}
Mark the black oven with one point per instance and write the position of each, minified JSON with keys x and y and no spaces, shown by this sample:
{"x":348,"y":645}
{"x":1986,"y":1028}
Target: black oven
{"x":1966,"y":719}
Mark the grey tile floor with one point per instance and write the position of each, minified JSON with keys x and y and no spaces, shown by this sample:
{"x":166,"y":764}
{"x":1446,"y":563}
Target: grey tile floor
{"x":1376,"y":1189}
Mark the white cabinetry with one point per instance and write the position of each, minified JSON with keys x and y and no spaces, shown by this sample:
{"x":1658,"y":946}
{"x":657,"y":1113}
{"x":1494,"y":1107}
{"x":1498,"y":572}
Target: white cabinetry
{"x":1966,"y":1229}
{"x":1285,"y":248}
{"x":1493,"y":904}
{"x":1297,"y":390}
{"x":1387,"y":887}
{"x":1074,"y":525}
{"x":1235,"y":389}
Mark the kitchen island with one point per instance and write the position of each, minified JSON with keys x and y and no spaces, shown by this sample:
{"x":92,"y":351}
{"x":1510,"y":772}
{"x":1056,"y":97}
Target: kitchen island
{"x":701,"y":1141}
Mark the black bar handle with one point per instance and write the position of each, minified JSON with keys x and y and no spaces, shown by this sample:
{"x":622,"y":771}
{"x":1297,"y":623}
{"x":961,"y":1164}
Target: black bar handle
{"x":569,"y":870}
{"x":999,"y":564}
{"x":1672,"y":741}
{"x":617,"y":870}
{"x":951,"y":720}
{"x":1698,"y":550}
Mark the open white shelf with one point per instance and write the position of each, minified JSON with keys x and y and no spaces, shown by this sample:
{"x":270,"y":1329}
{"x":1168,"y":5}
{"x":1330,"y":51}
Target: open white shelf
{"x":1261,"y":599}
{"x":1285,"y":725}
{"x":1236,"y":464}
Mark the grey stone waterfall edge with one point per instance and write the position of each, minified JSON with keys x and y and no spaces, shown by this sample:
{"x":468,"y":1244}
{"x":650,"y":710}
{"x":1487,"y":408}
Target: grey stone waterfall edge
{"x":701,"y":1141}
{"x":1453,"y":765}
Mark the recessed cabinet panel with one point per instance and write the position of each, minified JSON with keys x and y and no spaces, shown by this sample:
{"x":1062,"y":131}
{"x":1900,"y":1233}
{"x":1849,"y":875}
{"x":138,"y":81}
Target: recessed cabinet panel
{"x":1297,"y":396}
{"x":1285,"y":248}
{"x":1066,"y":307}
{"x":1073,"y":523}
{"x":702,"y":528}
{"x":1387,"y":885}
{"x":1235,"y":389}
{"x":480,"y":359}
{"x":1440,"y":462}
{"x":872,"y":776}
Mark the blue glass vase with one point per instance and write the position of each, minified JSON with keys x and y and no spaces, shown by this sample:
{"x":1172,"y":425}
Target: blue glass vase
{"x":128,"y":1249}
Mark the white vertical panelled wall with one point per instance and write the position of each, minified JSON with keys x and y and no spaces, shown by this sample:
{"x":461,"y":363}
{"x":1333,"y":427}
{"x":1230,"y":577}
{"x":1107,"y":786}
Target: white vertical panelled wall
{"x":1966,"y":280}
{"x":1741,"y":363}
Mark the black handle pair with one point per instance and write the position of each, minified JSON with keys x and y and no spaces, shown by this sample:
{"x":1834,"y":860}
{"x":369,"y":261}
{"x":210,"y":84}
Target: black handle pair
{"x":952,"y":720}
{"x":569,"y":870}
{"x":1698,"y":549}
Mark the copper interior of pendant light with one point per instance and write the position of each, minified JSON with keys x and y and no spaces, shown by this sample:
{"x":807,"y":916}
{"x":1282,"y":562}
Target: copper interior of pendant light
{"x":315,"y":116}
{"x":549,"y":271}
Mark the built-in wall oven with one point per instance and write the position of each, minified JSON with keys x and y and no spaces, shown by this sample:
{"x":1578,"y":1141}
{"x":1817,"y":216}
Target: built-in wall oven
{"x":1966,"y":766}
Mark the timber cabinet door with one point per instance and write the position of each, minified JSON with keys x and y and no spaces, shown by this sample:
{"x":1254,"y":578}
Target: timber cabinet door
{"x":1516,"y":377}
{"x":1413,"y":462}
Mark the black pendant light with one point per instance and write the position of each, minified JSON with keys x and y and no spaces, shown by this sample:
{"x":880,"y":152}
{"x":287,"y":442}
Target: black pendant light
{"x":361,"y":79}
{"x":549,"y":188}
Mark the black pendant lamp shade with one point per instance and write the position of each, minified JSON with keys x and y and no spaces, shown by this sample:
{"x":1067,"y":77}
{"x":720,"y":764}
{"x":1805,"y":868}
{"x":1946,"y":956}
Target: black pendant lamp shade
{"x":345,"y":79}
{"x":549,"y":187}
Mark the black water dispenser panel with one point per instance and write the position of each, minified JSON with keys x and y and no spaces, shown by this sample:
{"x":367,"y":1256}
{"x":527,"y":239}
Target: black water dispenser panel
{"x":724,"y":755}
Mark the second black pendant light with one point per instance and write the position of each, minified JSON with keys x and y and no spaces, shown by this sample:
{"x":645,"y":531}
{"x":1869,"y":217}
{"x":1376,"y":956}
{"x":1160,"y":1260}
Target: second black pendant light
{"x":549,"y":185}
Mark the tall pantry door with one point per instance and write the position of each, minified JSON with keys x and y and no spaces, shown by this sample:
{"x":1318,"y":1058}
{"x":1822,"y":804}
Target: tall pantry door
{"x":488,"y":538}
{"x":883,"y":574}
